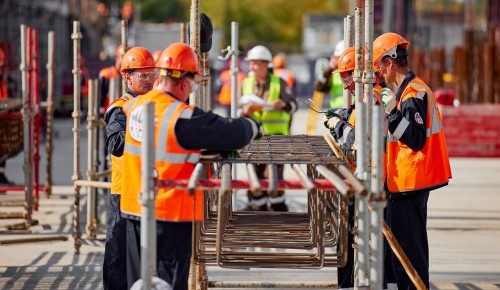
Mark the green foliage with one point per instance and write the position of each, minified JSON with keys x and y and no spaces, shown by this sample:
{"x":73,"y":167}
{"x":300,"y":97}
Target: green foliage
{"x":277,"y":24}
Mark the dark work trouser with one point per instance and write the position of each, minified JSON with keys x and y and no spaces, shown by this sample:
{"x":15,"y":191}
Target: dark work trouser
{"x":173,"y":249}
{"x":345,"y":275}
{"x":115,"y":256}
{"x":407,"y":219}
{"x":277,"y":201}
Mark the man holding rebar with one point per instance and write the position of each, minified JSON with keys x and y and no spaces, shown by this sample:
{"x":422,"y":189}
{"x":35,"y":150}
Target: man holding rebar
{"x":341,"y":123}
{"x":139,"y":71}
{"x":275,"y":117}
{"x":417,"y":157}
{"x":181,"y":132}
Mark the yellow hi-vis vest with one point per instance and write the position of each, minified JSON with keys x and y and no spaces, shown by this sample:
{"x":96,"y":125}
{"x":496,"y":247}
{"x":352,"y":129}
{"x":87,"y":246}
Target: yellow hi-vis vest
{"x":116,"y":162}
{"x":428,"y":168}
{"x":274,"y":122}
{"x":171,"y":160}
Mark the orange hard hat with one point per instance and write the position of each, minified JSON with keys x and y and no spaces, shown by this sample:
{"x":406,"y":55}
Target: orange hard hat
{"x":118,"y":52}
{"x":346,"y":60}
{"x":385,"y":45}
{"x":156,"y":55}
{"x":279,"y":61}
{"x":176,"y":59}
{"x":137,"y":57}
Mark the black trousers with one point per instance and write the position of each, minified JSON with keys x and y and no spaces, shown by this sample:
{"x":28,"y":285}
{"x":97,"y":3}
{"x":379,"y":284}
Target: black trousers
{"x":173,"y":251}
{"x":406,"y":216}
{"x":277,"y":202}
{"x":345,"y":275}
{"x":115,"y":256}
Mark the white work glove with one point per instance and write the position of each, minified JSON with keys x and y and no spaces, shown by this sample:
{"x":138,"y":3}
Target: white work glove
{"x":330,"y":123}
{"x":389,"y":100}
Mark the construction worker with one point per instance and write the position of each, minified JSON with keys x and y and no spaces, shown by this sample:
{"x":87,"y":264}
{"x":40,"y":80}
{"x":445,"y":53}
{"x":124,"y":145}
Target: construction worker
{"x":138,"y":69}
{"x":342,"y":129}
{"x":275,"y":121}
{"x":104,"y":77}
{"x":330,"y":82}
{"x":417,"y":157}
{"x":223,"y":87}
{"x":182,"y":131}
{"x":280,"y":70}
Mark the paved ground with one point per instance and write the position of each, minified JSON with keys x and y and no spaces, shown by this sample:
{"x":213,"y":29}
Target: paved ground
{"x":463,"y":227}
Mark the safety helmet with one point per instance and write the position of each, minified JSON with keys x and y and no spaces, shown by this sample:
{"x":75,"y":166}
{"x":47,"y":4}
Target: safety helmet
{"x":156,"y":55}
{"x":279,"y":61}
{"x":259,"y":52}
{"x":118,"y":52}
{"x":346,"y":60}
{"x":339,"y":48}
{"x":137,"y":57}
{"x":386,"y":44}
{"x":176,"y":59}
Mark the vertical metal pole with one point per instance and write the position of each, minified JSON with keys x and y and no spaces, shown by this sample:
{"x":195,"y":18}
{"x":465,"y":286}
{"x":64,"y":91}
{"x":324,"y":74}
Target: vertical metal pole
{"x":147,"y":199}
{"x":234,"y":86}
{"x":234,"y":68}
{"x":76,"y":36}
{"x":348,"y":41}
{"x":91,"y":230}
{"x":206,"y":94}
{"x":26,"y":127}
{"x":378,"y":203}
{"x":361,"y":157}
{"x":35,"y":120}
{"x":388,"y":9}
{"x":195,"y":98}
{"x":50,"y":111}
{"x":124,"y":50}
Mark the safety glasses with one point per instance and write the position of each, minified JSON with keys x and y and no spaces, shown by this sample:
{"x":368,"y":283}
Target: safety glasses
{"x":143,"y":76}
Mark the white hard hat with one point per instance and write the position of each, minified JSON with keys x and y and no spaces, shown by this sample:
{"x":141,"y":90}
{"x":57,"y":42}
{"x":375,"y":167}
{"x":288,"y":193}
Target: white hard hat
{"x":259,"y":52}
{"x":339,"y":48}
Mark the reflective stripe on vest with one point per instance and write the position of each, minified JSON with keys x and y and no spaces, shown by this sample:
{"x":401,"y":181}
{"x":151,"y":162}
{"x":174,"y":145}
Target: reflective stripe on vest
{"x":428,"y":168}
{"x":116,"y":162}
{"x":274,"y":122}
{"x":171,"y":162}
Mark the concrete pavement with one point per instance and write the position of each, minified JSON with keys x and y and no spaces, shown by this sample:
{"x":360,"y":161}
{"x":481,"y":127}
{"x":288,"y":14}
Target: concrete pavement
{"x":463,"y":228}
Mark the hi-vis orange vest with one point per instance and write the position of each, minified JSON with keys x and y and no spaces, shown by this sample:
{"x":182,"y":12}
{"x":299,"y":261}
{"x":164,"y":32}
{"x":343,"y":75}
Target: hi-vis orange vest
{"x":107,"y":73}
{"x":286,"y":75}
{"x":116,"y":162}
{"x":171,"y":162}
{"x":428,"y":168}
{"x":377,"y":94}
{"x":225,"y":90}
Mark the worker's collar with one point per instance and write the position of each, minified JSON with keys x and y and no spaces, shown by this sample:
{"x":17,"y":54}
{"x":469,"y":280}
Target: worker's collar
{"x":408,"y":77}
{"x":128,"y":91}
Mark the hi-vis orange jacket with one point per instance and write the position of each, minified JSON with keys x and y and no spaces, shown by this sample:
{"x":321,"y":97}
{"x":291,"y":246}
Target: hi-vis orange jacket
{"x":104,"y":75}
{"x":428,"y":168}
{"x":116,"y":162}
{"x":225,"y":89}
{"x":172,"y":161}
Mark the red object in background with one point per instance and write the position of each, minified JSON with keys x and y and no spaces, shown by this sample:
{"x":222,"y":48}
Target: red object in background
{"x":444,"y":97}
{"x":472,"y":130}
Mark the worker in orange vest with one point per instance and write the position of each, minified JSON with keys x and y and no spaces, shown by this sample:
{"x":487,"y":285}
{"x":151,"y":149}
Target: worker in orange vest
{"x":280,"y":70}
{"x":343,"y":130}
{"x":138,"y":69}
{"x":417,"y":157}
{"x":181,"y":132}
{"x":104,"y":77}
{"x":223,"y":87}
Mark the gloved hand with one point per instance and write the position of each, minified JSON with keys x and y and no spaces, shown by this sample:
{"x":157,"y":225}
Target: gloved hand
{"x":330,"y":123}
{"x":389,"y":100}
{"x":334,"y":113}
